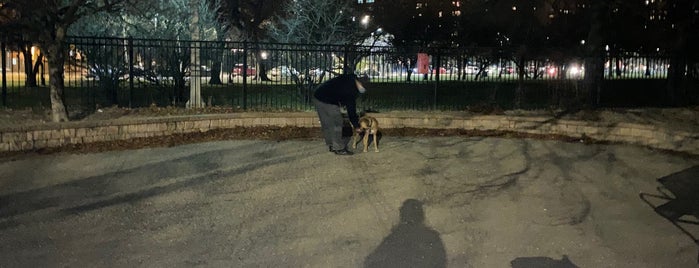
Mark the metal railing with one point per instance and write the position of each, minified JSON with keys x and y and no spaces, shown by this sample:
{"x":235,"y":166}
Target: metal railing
{"x":266,"y":76}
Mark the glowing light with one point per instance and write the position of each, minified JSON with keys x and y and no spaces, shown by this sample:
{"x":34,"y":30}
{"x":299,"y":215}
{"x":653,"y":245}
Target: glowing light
{"x":365,"y":20}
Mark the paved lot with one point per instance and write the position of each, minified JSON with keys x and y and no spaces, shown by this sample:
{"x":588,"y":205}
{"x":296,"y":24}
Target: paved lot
{"x":449,"y":201}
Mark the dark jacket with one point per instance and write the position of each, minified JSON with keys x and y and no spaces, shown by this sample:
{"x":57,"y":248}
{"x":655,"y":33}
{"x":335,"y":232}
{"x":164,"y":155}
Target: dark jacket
{"x":341,"y":90}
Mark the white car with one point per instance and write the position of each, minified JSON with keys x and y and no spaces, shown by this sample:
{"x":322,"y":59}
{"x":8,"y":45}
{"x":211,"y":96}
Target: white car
{"x":282,"y":72}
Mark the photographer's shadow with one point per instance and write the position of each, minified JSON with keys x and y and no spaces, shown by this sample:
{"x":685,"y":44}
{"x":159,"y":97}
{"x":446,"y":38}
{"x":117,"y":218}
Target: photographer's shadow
{"x":411,"y":243}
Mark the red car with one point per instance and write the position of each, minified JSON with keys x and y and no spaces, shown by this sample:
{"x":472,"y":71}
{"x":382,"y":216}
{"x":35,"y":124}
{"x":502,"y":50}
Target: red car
{"x":442,"y":70}
{"x":238,"y":70}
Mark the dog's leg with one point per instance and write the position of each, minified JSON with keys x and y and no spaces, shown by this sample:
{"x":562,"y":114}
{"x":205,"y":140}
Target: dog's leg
{"x":355,"y":138}
{"x":376,"y":146}
{"x":366,"y":140}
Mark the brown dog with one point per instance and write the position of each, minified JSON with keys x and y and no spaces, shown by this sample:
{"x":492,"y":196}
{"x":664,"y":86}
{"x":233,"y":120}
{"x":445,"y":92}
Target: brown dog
{"x":369,"y":126}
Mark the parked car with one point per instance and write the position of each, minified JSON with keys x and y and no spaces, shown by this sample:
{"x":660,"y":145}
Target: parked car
{"x":283,"y":71}
{"x":238,"y":70}
{"x":442,"y":70}
{"x":204,"y":71}
{"x":316,"y":75}
{"x":99,"y":71}
{"x":471,"y":69}
{"x":507,"y":70}
{"x":370,"y":72}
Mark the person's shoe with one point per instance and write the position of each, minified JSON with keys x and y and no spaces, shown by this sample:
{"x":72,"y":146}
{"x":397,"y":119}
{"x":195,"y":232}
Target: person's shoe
{"x":343,"y":152}
{"x":330,"y":148}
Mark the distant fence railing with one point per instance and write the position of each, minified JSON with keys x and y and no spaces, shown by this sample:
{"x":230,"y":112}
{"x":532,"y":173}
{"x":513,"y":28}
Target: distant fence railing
{"x":266,"y":76}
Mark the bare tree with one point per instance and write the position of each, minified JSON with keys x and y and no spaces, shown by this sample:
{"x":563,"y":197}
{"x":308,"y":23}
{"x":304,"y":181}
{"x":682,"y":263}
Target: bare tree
{"x":315,"y":24}
{"x":47,"y":22}
{"x":245,"y":20}
{"x":164,"y":20}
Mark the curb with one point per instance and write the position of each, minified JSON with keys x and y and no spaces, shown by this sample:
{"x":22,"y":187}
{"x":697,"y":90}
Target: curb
{"x":51,"y":135}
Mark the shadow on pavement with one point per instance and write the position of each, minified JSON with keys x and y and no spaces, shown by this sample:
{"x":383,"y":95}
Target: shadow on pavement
{"x":126,"y":186}
{"x":677,"y":201}
{"x":411,"y":243}
{"x":542,"y":262}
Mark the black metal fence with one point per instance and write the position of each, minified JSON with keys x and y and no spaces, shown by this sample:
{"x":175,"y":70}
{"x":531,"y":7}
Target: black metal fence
{"x":265,"y":76}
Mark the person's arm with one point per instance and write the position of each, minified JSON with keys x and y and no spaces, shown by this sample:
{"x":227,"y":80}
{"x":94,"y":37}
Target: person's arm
{"x":352,"y":113}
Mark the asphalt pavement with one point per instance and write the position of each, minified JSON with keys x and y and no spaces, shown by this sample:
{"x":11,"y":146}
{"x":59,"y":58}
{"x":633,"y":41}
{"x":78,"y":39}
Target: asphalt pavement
{"x":425,"y":202}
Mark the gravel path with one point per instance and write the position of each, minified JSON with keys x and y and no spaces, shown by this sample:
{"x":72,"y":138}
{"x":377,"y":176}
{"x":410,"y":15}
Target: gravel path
{"x":463,"y":201}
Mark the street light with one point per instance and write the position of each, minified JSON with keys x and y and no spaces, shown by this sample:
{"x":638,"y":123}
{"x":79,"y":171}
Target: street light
{"x":365,"y":20}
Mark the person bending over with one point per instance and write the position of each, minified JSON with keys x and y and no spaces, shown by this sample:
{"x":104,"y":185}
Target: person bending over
{"x":340,"y":91}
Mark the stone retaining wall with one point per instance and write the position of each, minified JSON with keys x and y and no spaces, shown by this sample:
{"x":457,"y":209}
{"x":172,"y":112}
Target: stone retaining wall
{"x":56,"y":135}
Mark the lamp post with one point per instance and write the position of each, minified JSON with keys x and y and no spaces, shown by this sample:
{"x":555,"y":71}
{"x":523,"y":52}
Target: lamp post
{"x":195,"y":100}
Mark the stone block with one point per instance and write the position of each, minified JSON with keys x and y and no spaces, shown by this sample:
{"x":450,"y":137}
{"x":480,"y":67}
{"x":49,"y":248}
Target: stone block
{"x":522,"y":125}
{"x":4,"y":147}
{"x":106,"y":130}
{"x":69,"y":132}
{"x":215,"y":123}
{"x":276,"y":121}
{"x":40,"y":144}
{"x":260,"y":121}
{"x":81,"y":132}
{"x":131,"y":129}
{"x":171,"y":126}
{"x":13,"y":136}
{"x":53,"y":143}
{"x":14,"y":146}
{"x":589,"y":130}
{"x":238,"y":122}
{"x":56,"y":134}
{"x":202,"y":124}
{"x":642,"y":133}
{"x":186,"y":126}
{"x":27,"y":145}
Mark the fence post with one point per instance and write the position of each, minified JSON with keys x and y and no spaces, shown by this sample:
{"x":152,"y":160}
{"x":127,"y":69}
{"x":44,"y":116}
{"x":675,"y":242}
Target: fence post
{"x":131,"y":57}
{"x":4,"y":73}
{"x":435,"y":69}
{"x":345,"y":66}
{"x":245,"y":80}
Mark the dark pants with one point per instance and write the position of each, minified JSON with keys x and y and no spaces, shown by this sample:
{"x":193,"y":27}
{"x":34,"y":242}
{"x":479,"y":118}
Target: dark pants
{"x":330,"y":123}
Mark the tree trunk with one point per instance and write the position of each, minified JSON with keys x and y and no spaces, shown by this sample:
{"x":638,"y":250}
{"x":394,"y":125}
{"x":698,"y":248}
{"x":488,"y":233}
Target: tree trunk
{"x":56,"y":57}
{"x":594,"y":58}
{"x":30,"y":75}
{"x":215,"y":78}
{"x":678,"y":65}
{"x":519,"y":91}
